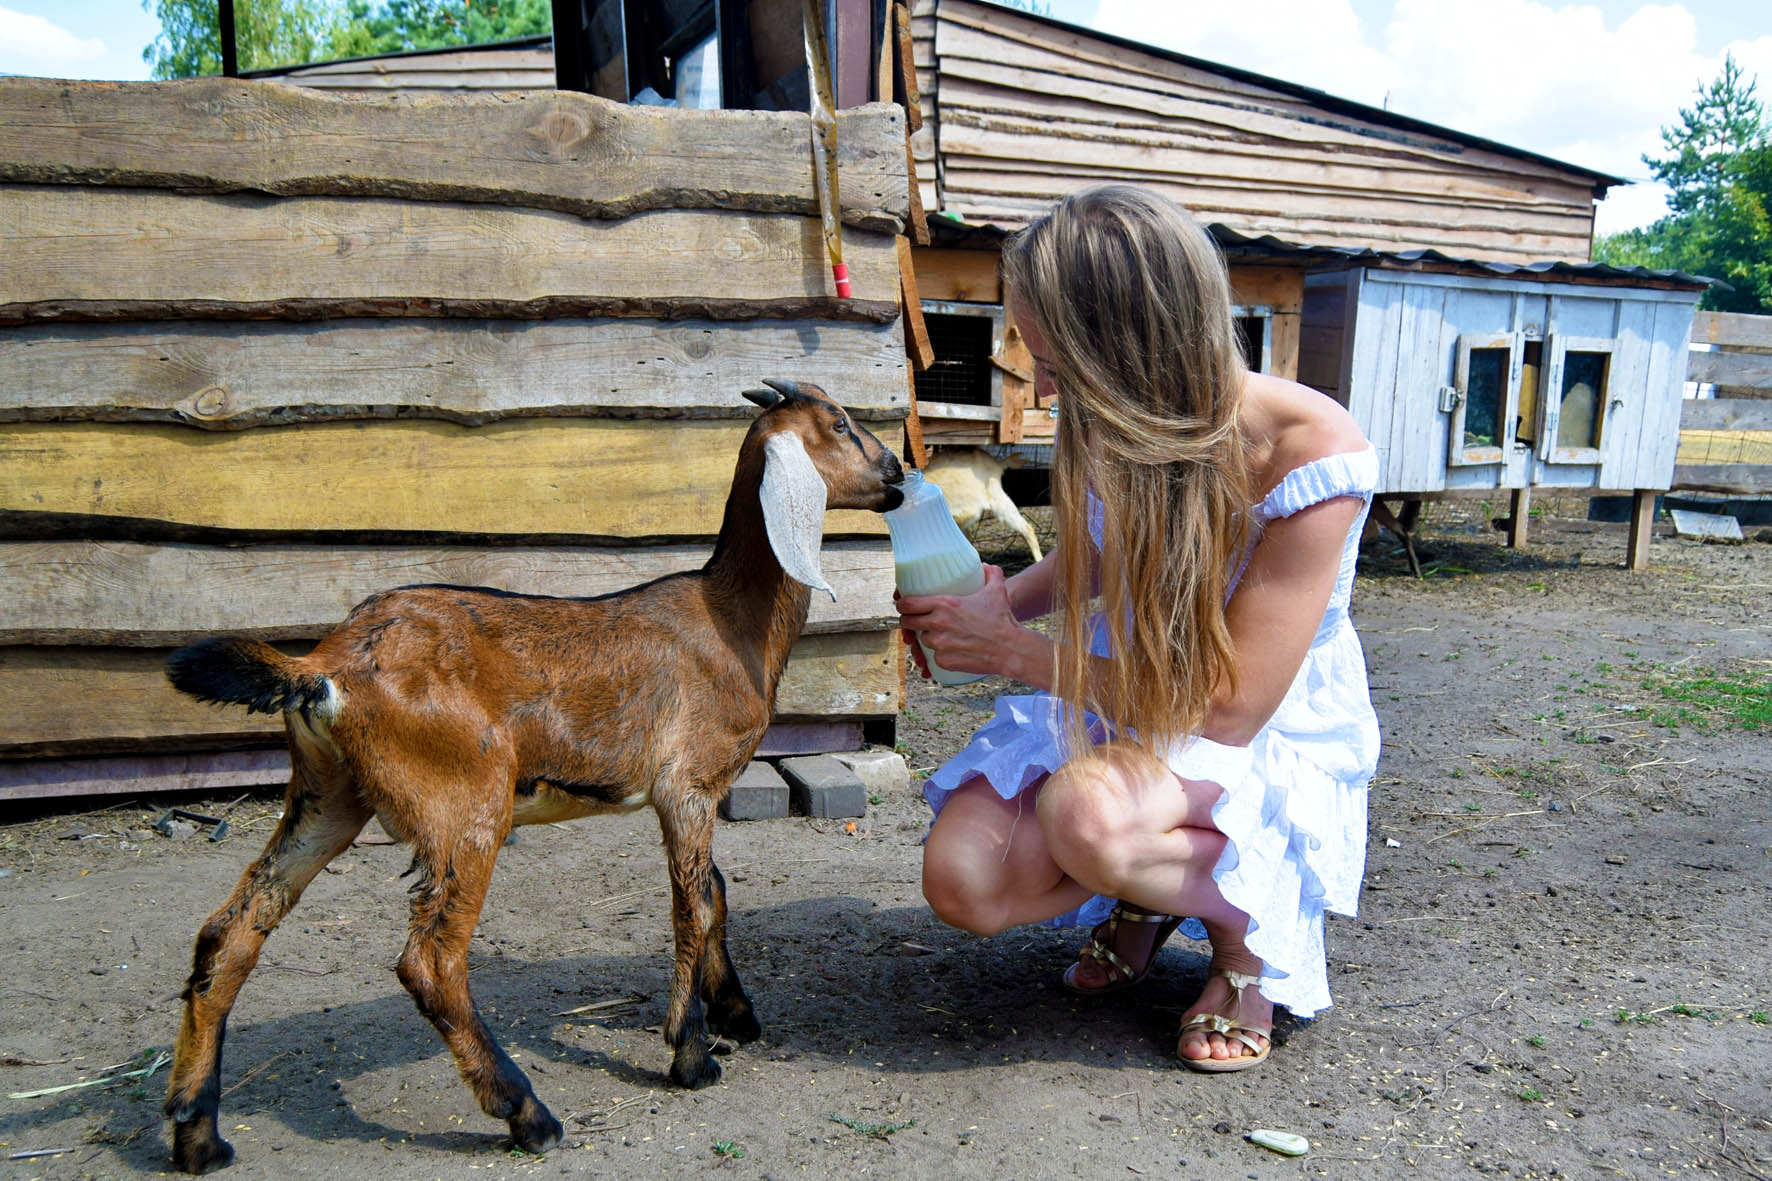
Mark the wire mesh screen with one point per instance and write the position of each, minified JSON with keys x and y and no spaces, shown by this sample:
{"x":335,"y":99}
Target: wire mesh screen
{"x":962,"y":369}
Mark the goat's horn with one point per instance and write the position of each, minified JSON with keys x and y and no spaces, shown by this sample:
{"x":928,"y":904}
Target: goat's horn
{"x":782,"y":385}
{"x":767,"y":399}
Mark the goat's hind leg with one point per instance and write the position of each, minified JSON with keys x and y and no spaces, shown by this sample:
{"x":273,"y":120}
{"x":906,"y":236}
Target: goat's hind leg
{"x":687,"y":822}
{"x":729,"y":1009}
{"x":446,"y":906}
{"x":321,"y":815}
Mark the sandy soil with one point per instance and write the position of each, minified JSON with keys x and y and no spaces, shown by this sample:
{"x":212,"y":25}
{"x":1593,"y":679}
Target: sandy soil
{"x":1563,"y":966}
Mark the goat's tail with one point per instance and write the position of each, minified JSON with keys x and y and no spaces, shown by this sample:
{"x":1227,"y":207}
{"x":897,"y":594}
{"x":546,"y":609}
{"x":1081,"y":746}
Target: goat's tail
{"x":235,"y":671}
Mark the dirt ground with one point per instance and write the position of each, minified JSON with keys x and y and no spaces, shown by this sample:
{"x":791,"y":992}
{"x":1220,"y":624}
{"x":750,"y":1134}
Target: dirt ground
{"x":1563,"y":965}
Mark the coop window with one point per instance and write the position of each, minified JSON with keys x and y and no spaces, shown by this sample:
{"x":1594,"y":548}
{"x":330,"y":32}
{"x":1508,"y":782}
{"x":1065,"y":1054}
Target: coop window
{"x":1255,"y":333}
{"x":963,"y":340}
{"x":1485,"y":396}
{"x":1577,"y":397}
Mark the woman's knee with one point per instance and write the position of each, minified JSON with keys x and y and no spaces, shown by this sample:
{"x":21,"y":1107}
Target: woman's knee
{"x":961,"y":896}
{"x":1088,"y":819}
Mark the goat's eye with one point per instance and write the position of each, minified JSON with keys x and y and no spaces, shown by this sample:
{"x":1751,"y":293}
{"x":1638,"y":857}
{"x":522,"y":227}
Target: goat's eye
{"x":842,"y":427}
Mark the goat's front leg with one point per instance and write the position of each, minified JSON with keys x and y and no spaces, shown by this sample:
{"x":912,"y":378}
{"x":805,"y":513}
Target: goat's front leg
{"x":686,"y":818}
{"x":729,"y":1009}
{"x":320,"y":817}
{"x":434,"y":968}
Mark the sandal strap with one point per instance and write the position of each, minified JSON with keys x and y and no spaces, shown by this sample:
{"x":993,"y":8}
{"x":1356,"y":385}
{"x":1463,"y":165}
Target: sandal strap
{"x":1138,"y":916}
{"x":1104,"y":955}
{"x":1215,"y":1022}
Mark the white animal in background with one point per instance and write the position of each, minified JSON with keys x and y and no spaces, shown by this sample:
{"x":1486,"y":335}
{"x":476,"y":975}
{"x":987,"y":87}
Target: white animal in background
{"x":972,"y":481}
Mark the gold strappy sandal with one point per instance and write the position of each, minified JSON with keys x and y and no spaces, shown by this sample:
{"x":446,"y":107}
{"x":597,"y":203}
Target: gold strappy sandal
{"x":1099,"y":948}
{"x":1228,"y":1027}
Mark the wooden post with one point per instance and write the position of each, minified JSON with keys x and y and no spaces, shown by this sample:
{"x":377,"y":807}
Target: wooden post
{"x":1519,"y":505}
{"x":916,"y":346}
{"x":1641,"y":517}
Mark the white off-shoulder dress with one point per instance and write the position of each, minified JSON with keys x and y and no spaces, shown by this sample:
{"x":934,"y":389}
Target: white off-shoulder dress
{"x":1294,"y":801}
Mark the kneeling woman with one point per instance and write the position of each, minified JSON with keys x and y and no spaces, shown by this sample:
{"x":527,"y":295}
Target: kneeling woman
{"x":1216,"y":769}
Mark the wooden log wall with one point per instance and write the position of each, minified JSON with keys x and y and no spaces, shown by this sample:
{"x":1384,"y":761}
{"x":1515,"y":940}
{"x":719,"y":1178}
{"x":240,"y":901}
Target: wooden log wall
{"x":1019,"y":111}
{"x":265,"y":351}
{"x":1726,"y":439}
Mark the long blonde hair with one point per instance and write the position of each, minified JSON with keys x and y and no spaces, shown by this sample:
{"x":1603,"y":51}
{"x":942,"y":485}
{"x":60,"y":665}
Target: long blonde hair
{"x":1133,"y":300}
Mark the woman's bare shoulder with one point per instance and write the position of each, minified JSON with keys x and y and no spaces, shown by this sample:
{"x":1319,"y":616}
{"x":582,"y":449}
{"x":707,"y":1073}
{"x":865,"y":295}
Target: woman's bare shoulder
{"x":1292,"y":424}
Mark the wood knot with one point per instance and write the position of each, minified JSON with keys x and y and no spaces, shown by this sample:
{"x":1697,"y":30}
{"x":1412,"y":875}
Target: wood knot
{"x":213,"y":402}
{"x":561,"y":131}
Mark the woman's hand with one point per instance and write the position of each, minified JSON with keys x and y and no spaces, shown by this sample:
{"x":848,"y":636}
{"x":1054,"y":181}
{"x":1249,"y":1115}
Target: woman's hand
{"x":975,"y":633}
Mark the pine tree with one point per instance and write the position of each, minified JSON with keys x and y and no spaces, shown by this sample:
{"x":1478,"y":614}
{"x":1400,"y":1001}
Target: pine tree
{"x":1726,"y":119}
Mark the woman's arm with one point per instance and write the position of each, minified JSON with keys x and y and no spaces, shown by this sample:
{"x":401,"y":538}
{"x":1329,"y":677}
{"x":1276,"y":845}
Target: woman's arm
{"x":1030,"y":590}
{"x":1275,"y":613}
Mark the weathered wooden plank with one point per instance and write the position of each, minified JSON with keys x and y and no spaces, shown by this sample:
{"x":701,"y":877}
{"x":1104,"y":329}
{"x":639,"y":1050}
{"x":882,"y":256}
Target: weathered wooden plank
{"x":1170,"y":158}
{"x":597,"y":478}
{"x":966,"y":276}
{"x":94,"y":701}
{"x":549,"y":149}
{"x":1284,"y":362}
{"x":983,"y":32}
{"x":234,"y":375}
{"x":1279,"y":288}
{"x":144,"y":596}
{"x":1418,"y":433}
{"x":97,"y":253}
{"x":1736,"y":479}
{"x":1726,"y":414}
{"x":1732,"y":329}
{"x":1725,"y":446}
{"x":233,"y":770}
{"x":1301,"y":148}
{"x":916,"y":330}
{"x":1739,"y":370}
{"x":1640,"y":395}
{"x":1316,"y":226}
{"x":145,"y":775}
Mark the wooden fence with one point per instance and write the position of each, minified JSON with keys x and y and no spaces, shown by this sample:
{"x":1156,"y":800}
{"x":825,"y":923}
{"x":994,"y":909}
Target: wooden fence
{"x":1726,"y":441}
{"x":265,"y":351}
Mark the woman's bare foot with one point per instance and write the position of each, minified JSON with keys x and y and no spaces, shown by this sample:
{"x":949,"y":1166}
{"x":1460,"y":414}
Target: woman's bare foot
{"x":1228,"y":1025}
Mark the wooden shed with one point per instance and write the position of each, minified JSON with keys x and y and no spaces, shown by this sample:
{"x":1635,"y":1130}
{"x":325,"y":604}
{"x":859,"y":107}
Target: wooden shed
{"x":266,"y":350}
{"x":1012,"y":111}
{"x":1471,"y":377}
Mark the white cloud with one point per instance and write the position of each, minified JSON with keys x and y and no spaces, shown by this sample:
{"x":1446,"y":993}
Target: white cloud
{"x":32,"y":43}
{"x":1548,"y":78}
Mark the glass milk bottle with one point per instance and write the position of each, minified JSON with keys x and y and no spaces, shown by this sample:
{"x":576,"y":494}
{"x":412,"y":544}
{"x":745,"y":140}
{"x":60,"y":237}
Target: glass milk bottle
{"x":932,"y":556}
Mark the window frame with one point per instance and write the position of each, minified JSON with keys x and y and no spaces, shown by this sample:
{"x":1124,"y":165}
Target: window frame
{"x":1468,"y":342}
{"x":1551,"y":399}
{"x":1265,"y":313}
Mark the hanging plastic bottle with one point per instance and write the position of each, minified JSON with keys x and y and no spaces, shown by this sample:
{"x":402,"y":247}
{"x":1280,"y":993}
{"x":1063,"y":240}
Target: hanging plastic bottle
{"x":932,"y":556}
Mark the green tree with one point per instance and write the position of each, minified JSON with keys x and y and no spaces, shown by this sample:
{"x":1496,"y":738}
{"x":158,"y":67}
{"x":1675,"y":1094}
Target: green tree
{"x":1719,"y":171}
{"x":294,"y":32}
{"x":1726,"y":118}
{"x":268,"y":33}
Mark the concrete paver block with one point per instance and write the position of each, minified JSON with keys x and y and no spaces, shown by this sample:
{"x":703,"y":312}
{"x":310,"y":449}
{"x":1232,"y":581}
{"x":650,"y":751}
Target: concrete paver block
{"x":882,"y":772}
{"x":759,"y":793}
{"x":820,"y":786}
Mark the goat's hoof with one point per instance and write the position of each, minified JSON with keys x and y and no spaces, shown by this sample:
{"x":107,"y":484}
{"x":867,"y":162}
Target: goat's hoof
{"x":692,"y":1074}
{"x":197,"y":1149}
{"x":739,"y":1022}
{"x":534,"y":1128}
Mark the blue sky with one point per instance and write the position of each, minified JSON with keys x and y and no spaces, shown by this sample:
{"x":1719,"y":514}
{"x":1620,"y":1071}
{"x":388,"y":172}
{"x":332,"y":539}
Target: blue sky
{"x":1513,"y":71}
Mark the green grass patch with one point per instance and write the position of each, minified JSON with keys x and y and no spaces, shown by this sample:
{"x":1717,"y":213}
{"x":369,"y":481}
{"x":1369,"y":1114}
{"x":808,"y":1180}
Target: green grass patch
{"x":1740,"y":700}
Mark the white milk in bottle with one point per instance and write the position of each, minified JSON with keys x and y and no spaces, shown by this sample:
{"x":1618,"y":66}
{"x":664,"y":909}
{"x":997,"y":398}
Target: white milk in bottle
{"x":932,"y":556}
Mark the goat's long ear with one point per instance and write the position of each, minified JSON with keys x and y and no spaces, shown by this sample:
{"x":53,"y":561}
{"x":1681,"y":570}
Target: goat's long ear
{"x":793,"y":495}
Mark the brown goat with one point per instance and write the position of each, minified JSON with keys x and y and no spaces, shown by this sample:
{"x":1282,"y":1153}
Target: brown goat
{"x":453,"y":713}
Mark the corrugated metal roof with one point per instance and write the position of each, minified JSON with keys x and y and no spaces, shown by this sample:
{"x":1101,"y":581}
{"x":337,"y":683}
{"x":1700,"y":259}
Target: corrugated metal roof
{"x":946,"y":230}
{"x":1269,"y":247}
